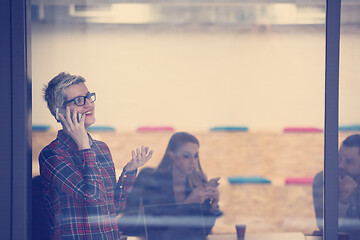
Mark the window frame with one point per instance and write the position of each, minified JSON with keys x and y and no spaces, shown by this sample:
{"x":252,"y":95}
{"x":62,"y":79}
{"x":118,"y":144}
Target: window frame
{"x":333,"y":20}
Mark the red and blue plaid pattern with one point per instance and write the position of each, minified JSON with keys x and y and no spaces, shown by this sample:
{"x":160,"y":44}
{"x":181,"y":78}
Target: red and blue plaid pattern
{"x":80,"y":189}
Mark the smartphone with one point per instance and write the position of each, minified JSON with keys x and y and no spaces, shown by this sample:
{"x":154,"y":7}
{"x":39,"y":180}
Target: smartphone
{"x":63,"y":112}
{"x":213,"y":182}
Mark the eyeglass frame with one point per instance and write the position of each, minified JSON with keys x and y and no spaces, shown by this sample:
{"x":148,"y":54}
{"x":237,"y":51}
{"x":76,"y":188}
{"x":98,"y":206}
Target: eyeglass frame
{"x":88,"y":96}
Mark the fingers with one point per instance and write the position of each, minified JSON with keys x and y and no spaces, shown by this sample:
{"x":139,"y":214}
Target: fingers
{"x":68,"y":115}
{"x":149,"y":155}
{"x":63,"y":121}
{"x":139,"y":157}
{"x":138,"y":153}
{"x":74,"y":116}
{"x":211,"y":192}
{"x":66,"y":120}
{"x":82,"y":120}
{"x":133,"y":155}
{"x":143,"y":153}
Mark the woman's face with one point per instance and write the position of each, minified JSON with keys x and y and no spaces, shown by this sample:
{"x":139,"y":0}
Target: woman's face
{"x":186,"y":158}
{"x":88,"y":109}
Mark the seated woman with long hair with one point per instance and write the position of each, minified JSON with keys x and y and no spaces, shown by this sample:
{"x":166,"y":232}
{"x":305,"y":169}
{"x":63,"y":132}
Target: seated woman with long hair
{"x":178,"y":180}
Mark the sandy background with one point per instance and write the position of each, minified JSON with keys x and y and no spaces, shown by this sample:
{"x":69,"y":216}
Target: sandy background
{"x":274,"y":207}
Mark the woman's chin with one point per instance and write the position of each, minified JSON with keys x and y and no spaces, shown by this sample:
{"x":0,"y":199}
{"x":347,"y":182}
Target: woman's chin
{"x":89,"y":122}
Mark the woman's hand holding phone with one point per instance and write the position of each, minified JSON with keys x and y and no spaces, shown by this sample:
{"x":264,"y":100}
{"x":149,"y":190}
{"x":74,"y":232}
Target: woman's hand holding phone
{"x":214,"y":182}
{"x":74,"y":128}
{"x":209,"y":191}
{"x":214,"y":198}
{"x":198,"y":195}
{"x":213,"y":193}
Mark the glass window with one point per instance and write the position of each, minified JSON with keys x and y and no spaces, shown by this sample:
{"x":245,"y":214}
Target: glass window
{"x":246,"y":78}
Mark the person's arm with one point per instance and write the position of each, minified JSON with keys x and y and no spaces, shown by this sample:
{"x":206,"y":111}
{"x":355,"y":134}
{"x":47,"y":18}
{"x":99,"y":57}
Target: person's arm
{"x":127,"y":178}
{"x":347,"y":187}
{"x":83,"y":184}
{"x":318,"y":185}
{"x":123,"y":187}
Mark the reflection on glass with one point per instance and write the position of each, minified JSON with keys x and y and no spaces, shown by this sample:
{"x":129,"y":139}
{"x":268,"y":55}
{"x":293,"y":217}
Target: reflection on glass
{"x":349,"y":150}
{"x":194,"y":66}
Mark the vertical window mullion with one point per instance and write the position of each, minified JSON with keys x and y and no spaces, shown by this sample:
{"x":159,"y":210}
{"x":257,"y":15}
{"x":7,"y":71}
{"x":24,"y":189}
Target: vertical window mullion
{"x":333,"y":10}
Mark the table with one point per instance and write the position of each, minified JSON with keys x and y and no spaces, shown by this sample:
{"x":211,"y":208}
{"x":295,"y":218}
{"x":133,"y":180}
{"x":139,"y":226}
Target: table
{"x":252,"y":236}
{"x":260,"y":236}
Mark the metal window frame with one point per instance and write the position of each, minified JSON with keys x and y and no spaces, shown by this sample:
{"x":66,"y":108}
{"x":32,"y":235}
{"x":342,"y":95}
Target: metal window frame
{"x":333,"y":12}
{"x":15,"y":120}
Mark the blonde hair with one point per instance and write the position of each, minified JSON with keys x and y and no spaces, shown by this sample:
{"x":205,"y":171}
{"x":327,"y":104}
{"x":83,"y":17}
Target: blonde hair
{"x":177,"y":140}
{"x":54,"y":91}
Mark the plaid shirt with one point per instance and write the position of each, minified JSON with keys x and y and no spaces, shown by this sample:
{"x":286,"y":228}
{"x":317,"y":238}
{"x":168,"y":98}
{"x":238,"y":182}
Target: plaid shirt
{"x":80,"y":189}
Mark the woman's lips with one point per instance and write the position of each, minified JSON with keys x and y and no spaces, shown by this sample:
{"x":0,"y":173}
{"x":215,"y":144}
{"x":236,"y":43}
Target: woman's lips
{"x":88,"y":113}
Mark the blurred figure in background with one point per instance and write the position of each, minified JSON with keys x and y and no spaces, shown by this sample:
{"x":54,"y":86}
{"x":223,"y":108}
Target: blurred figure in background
{"x":178,"y":180}
{"x":349,"y":189}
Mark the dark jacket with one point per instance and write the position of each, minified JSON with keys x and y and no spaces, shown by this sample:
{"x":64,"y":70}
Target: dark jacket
{"x":151,"y":188}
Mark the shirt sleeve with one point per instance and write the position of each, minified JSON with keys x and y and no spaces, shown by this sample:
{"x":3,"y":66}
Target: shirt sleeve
{"x":123,"y":188}
{"x":83,"y":184}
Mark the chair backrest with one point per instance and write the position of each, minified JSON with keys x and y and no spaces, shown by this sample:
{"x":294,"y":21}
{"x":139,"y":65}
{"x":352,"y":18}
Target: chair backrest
{"x":40,"y":217}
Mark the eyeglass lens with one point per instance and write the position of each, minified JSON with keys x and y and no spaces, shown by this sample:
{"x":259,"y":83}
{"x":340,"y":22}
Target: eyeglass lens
{"x":80,"y":101}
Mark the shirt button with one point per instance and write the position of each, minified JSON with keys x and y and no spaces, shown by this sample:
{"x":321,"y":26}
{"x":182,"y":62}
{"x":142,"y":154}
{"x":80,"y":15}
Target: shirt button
{"x":125,"y":175}
{"x":109,"y":212}
{"x":121,"y":186}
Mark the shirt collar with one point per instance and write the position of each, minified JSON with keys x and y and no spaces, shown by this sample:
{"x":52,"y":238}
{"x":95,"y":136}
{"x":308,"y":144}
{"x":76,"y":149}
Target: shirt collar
{"x":69,"y":141}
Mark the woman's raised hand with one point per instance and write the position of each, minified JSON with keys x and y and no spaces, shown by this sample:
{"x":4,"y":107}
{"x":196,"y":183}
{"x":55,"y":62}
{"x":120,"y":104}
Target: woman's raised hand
{"x":75,"y":129}
{"x":139,"y":158}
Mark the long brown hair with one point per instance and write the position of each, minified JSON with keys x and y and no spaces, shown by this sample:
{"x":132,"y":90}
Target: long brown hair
{"x":177,"y":140}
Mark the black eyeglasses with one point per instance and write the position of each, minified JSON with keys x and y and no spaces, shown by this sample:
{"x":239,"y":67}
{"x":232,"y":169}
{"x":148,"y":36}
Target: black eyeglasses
{"x":80,"y":101}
